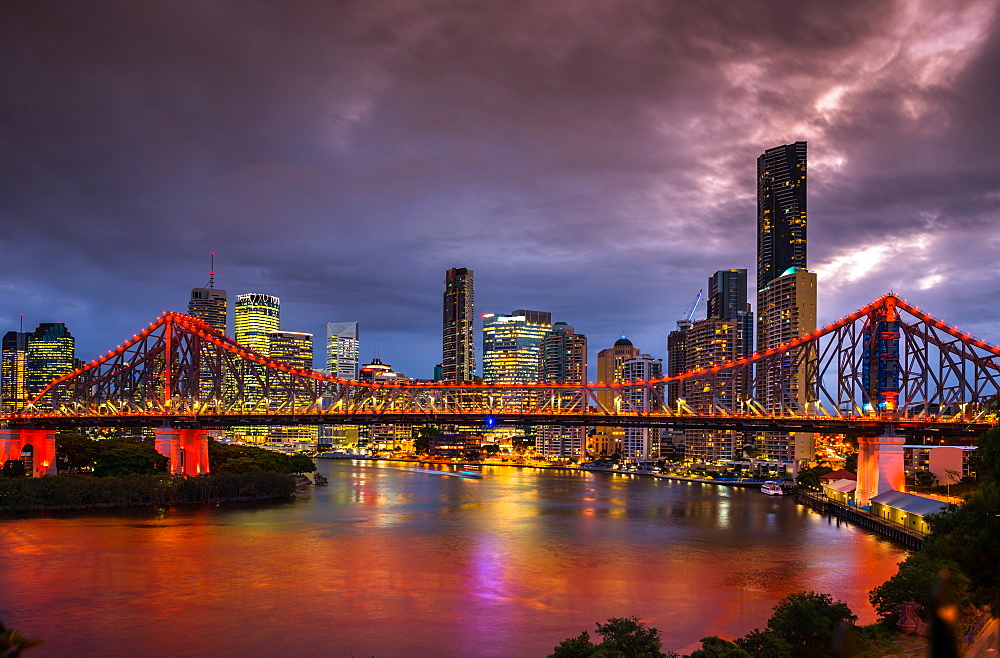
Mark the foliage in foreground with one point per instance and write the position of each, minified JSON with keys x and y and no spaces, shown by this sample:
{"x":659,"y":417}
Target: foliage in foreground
{"x":13,"y":642}
{"x":82,"y":491}
{"x":803,"y":624}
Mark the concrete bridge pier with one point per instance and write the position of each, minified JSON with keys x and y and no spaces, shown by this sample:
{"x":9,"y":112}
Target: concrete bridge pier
{"x":880,"y":466}
{"x":43,"y":448}
{"x":187,"y":449}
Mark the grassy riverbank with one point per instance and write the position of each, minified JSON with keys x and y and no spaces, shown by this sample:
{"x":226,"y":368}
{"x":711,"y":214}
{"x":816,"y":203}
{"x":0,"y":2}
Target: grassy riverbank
{"x":87,"y":491}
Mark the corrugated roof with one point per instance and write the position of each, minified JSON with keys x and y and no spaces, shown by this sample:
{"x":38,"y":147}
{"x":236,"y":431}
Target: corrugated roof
{"x":843,"y":486}
{"x":910,"y":503}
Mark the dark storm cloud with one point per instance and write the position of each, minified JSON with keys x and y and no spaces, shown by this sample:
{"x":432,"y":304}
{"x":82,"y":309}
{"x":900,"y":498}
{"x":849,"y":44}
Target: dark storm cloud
{"x":594,"y":159}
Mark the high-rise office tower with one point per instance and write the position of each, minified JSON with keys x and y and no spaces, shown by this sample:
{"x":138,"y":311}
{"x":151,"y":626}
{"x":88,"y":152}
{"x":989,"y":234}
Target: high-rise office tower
{"x":14,"y":371}
{"x":641,"y":444}
{"x":254,"y":316}
{"x":781,"y":211}
{"x":458,"y":356}
{"x":725,"y":335}
{"x":607,"y":440}
{"x":50,"y":354}
{"x":342,"y":349}
{"x":511,"y":344}
{"x":296,"y":349}
{"x":563,"y":358}
{"x":786,"y":292}
{"x":209,"y":303}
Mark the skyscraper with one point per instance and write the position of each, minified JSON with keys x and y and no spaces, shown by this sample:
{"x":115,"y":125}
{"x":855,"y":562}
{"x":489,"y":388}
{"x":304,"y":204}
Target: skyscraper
{"x":786,"y":292}
{"x":511,"y":345}
{"x":342,"y":349}
{"x":781,"y":211}
{"x":51,"y":350}
{"x":254,"y":316}
{"x":563,"y":358}
{"x":14,"y":370}
{"x":458,"y":356}
{"x":726,"y":334}
{"x":641,"y":443}
{"x":296,"y":349}
{"x":607,"y":440}
{"x":210,"y":303}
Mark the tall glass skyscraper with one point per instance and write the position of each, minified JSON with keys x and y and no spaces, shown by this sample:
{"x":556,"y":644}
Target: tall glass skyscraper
{"x":254,"y":316}
{"x":14,"y":370}
{"x":458,"y":355}
{"x":51,"y":349}
{"x":511,"y":345}
{"x":562,"y":358}
{"x":342,"y":348}
{"x":296,"y":349}
{"x":781,"y":211}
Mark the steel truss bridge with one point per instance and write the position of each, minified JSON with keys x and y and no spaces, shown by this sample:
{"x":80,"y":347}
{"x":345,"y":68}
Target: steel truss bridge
{"x":888,"y":364}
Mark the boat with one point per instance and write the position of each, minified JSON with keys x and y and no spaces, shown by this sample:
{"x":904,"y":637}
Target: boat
{"x":772,"y":488}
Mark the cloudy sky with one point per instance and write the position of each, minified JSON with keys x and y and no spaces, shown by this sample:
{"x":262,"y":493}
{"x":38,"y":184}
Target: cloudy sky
{"x":595,"y":159}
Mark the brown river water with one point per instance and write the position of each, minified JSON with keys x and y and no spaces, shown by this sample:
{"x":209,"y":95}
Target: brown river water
{"x":386,"y":561}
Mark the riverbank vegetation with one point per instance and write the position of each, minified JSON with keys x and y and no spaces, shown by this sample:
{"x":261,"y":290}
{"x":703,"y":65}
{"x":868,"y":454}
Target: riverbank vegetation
{"x":128,"y":471}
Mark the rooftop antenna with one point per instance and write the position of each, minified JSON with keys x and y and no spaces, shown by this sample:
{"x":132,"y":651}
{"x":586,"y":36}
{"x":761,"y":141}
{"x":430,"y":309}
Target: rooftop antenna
{"x":211,"y":273}
{"x":21,"y":329}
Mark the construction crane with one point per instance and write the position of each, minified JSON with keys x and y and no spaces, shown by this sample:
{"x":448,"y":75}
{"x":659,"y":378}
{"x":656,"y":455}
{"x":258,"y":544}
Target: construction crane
{"x":687,"y":320}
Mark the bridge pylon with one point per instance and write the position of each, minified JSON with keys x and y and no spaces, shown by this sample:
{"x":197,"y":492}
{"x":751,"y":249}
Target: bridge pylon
{"x":186,"y":448}
{"x":880,"y":466}
{"x":43,"y":448}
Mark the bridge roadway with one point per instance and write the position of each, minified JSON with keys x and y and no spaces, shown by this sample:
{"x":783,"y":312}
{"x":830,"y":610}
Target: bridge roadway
{"x":926,"y":428}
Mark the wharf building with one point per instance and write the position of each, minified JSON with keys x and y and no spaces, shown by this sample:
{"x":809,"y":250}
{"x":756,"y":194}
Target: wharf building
{"x":606,"y":440}
{"x":255,"y":316}
{"x":786,"y":293}
{"x":14,"y":371}
{"x":50,"y":354}
{"x":562,"y":358}
{"x":458,"y":354}
{"x":342,"y":348}
{"x":726,"y":334}
{"x":642,"y":444}
{"x":296,"y":349}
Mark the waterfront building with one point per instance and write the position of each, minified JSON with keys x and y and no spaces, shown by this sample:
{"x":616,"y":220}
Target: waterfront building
{"x":563,"y":358}
{"x":296,"y":349}
{"x":786,"y":291}
{"x":725,"y":335}
{"x":51,"y":350}
{"x":255,"y":316}
{"x":607,"y":440}
{"x":641,"y":444}
{"x":511,"y":345}
{"x":209,"y":305}
{"x":14,"y":371}
{"x":781,"y":211}
{"x":458,"y":354}
{"x":787,"y":310}
{"x":342,"y":348}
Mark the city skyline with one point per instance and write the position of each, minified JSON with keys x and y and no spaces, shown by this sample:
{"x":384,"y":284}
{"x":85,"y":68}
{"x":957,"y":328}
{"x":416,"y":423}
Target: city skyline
{"x":569,"y":167}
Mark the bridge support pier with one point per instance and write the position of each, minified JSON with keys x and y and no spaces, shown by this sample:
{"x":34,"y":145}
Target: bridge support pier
{"x":880,"y":466}
{"x":43,"y":449}
{"x":187,"y":449}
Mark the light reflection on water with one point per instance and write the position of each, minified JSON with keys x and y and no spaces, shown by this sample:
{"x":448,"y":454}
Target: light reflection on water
{"x":390,"y":562}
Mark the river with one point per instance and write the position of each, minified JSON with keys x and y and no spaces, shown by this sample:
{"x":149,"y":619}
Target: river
{"x":386,"y":561}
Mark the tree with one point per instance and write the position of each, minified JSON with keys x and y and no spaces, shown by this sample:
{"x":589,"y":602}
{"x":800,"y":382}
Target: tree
{"x":808,"y":622}
{"x":624,"y":637}
{"x":924,"y":479}
{"x":914,"y":582}
{"x":715,"y":647}
{"x":810,"y":477}
{"x":764,"y":644}
{"x":130,"y":459}
{"x":13,"y":468}
{"x":302,"y":464}
{"x":13,"y":642}
{"x":76,"y":451}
